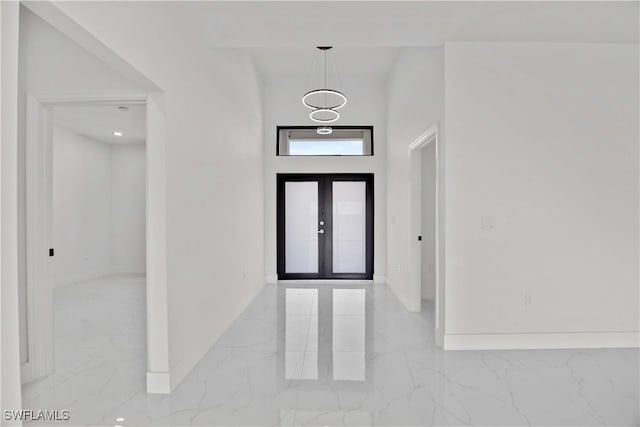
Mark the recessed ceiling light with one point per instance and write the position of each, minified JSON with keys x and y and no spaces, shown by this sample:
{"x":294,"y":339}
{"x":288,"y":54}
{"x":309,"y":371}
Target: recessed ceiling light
{"x":120,"y":419}
{"x":118,"y":133}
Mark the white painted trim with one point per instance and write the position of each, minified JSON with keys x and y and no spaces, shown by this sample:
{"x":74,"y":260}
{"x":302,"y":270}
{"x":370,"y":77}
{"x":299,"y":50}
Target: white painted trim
{"x":379,"y":279}
{"x":156,"y":257}
{"x":88,"y":274}
{"x":425,"y":138}
{"x":430,"y":136}
{"x":529,"y":341}
{"x":158,"y":382}
{"x":39,"y":277}
{"x":271,"y":279}
{"x":320,"y":282}
{"x":439,"y":338}
{"x":90,"y":97}
{"x":38,"y":197}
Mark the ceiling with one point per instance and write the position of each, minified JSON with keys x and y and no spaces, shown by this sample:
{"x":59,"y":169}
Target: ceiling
{"x":100,"y":121}
{"x":359,"y":62}
{"x":400,"y":23}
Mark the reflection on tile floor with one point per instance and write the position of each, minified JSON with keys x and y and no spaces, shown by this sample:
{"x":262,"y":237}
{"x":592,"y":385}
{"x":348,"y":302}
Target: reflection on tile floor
{"x":321,"y":356}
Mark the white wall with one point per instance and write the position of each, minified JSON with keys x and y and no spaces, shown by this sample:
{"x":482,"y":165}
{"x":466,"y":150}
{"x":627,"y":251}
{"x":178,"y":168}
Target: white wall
{"x":428,"y":220}
{"x":542,"y":141}
{"x":128,"y":221}
{"x":81,"y":210}
{"x":98,"y":215}
{"x":415,"y":91}
{"x":214,"y":194}
{"x":282,"y":107}
{"x":10,"y":396}
{"x":50,"y":62}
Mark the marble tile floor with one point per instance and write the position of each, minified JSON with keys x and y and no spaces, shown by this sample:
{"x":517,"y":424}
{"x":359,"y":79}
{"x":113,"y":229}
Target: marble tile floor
{"x":324,"y":355}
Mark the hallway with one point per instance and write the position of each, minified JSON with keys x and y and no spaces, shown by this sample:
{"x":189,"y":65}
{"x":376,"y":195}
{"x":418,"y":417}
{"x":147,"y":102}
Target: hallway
{"x":321,"y":355}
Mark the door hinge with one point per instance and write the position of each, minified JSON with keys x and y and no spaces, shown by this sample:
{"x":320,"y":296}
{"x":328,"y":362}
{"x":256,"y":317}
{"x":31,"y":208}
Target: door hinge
{"x":420,"y":238}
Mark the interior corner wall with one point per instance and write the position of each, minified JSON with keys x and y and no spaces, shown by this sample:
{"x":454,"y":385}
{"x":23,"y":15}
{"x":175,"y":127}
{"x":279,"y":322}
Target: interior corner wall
{"x":428,"y":222}
{"x":128,"y":209}
{"x":98,"y":212}
{"x":81,"y":207}
{"x":542,"y":190}
{"x":214,"y":196}
{"x":366,"y":107}
{"x":415,"y":93}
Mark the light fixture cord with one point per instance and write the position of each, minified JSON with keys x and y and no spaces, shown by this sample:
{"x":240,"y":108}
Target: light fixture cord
{"x":325,"y":77}
{"x":325,"y":69}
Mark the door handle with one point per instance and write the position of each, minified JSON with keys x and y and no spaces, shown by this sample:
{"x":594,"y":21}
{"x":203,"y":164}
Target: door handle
{"x":321,"y":231}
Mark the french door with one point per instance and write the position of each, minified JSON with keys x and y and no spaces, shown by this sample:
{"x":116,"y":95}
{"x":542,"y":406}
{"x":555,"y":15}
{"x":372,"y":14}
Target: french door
{"x":325,"y":226}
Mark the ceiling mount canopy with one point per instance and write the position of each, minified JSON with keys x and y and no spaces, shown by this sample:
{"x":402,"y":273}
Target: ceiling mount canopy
{"x":324,"y":101}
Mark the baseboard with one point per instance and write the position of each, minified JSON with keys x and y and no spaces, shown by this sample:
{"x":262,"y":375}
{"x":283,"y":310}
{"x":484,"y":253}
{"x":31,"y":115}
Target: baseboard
{"x":158,"y":382}
{"x":439,"y":338}
{"x":95,"y":274}
{"x":315,"y":282}
{"x":128,"y":269}
{"x":27,"y":372}
{"x":379,"y":279}
{"x":531,"y":341}
{"x":127,"y":274}
{"x":180,"y":369}
{"x":271,"y":279}
{"x":81,"y":276}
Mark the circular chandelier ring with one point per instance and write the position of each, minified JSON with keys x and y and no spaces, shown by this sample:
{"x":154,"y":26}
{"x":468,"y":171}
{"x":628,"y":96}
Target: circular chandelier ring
{"x":327,"y":92}
{"x":335,"y":117}
{"x":324,"y":130}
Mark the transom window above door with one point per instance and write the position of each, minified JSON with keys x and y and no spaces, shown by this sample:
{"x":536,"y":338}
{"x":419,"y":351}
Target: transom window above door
{"x":342,"y":141}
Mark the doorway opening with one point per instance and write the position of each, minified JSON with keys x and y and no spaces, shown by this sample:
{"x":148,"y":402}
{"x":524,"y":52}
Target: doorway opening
{"x":325,"y":226}
{"x":86,"y":241}
{"x":428,"y":225}
{"x":426,"y":229}
{"x":139,"y":159}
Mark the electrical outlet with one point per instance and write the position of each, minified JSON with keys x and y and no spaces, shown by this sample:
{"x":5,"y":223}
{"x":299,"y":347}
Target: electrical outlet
{"x":528,"y":300}
{"x":398,"y":268}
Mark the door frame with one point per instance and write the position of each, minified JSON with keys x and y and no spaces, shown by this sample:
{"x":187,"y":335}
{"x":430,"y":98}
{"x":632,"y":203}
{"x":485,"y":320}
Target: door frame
{"x":430,"y":136}
{"x":39,"y":161}
{"x":325,"y":245}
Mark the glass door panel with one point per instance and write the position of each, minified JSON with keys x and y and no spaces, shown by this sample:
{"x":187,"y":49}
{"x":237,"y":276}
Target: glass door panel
{"x":349,"y":226}
{"x":325,"y":226}
{"x":301,"y":227}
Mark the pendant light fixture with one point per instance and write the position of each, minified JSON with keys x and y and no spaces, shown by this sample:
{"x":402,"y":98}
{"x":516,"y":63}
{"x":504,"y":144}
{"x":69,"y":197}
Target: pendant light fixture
{"x":324,"y":130}
{"x":324,"y":102}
